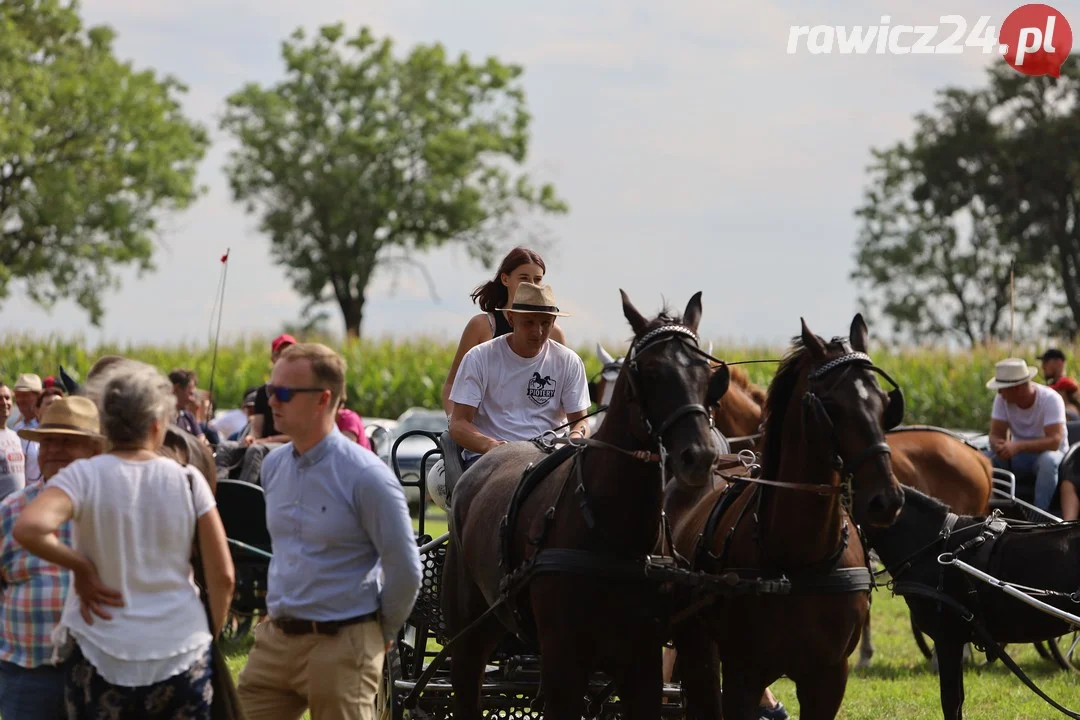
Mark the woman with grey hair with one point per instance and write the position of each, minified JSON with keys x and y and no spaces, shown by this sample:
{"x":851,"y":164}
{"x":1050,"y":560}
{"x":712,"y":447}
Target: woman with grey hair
{"x":135,"y":632}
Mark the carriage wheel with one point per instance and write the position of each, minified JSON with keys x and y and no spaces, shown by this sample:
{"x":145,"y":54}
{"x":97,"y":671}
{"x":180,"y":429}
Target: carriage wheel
{"x":1043,"y":648}
{"x":387,"y":703}
{"x":1066,"y":651}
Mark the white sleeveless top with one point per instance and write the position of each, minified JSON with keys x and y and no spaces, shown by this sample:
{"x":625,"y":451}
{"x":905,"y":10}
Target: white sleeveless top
{"x":136,"y":521}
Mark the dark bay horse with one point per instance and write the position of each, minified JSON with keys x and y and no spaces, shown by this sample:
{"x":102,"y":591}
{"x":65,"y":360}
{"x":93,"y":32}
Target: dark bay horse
{"x":824,"y":405}
{"x":1040,"y":557}
{"x":932,"y":461}
{"x":583,"y":621}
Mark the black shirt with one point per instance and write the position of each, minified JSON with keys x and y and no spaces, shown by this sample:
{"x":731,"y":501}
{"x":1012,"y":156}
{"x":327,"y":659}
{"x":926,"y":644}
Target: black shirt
{"x":262,"y":407}
{"x":502,"y":325}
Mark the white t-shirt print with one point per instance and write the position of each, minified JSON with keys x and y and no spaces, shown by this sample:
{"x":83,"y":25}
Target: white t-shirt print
{"x":518,"y":398}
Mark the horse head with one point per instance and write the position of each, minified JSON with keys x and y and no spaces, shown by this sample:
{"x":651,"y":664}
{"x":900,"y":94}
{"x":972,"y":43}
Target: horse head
{"x":826,"y":397}
{"x":663,"y":389}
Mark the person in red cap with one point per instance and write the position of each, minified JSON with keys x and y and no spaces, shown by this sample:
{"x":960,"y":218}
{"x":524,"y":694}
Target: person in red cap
{"x":263,"y":435}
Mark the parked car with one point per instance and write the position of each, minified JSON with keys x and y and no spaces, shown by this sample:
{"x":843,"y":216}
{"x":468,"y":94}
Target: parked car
{"x":411,"y":451}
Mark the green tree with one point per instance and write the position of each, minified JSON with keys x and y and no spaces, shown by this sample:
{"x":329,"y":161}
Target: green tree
{"x":92,"y":153}
{"x":988,"y":182}
{"x":359,"y":160}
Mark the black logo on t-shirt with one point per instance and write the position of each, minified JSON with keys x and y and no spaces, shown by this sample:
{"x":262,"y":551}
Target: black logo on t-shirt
{"x":541,"y":389}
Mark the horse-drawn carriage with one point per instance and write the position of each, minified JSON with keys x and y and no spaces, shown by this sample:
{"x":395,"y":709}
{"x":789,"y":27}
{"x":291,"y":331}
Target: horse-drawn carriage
{"x":824,"y":475}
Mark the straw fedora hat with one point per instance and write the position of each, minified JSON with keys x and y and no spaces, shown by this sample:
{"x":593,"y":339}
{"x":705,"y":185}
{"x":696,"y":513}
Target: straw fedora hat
{"x":530,"y":298}
{"x":1010,"y":373}
{"x":76,"y":416}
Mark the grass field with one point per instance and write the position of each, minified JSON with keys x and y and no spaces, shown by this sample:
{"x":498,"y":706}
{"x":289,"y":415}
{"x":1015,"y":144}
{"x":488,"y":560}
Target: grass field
{"x":900,"y":684}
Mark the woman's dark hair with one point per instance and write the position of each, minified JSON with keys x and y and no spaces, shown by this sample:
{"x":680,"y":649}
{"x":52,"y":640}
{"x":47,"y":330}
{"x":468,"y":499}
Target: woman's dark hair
{"x":493,"y":295}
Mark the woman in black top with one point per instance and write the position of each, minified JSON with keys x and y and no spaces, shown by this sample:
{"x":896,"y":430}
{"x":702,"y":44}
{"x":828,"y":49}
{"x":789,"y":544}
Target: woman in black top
{"x":519,"y":265}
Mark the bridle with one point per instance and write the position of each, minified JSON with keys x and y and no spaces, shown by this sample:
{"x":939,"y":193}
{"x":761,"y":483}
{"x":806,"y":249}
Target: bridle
{"x":815,"y":413}
{"x":652,"y":339}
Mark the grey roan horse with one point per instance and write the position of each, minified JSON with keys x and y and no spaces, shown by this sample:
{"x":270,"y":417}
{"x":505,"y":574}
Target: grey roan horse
{"x":604,"y":501}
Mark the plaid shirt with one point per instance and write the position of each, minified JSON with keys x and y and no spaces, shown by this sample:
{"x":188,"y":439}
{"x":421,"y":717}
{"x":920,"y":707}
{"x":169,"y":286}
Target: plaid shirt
{"x":32,"y":591}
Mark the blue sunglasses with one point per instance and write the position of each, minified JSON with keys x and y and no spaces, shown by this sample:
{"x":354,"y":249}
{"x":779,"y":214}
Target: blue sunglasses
{"x":285,"y":394}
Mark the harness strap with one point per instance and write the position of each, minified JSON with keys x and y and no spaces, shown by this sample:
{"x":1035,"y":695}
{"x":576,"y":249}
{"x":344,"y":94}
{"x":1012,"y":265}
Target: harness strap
{"x":983,"y":636}
{"x":802,"y":487}
{"x":837,"y":581}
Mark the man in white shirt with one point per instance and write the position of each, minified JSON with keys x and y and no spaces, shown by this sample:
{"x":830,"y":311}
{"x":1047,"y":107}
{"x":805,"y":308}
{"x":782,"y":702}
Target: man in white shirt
{"x":28,"y":389}
{"x":519,"y":385}
{"x":1034,"y":415}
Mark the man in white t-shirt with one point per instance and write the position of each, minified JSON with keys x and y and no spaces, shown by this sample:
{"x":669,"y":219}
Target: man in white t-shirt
{"x":519,"y":385}
{"x":1034,"y":415}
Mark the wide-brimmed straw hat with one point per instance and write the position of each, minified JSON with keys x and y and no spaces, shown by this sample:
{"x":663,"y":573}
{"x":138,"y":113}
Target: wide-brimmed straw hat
{"x":72,"y":416}
{"x":530,"y":298}
{"x":1010,"y":373}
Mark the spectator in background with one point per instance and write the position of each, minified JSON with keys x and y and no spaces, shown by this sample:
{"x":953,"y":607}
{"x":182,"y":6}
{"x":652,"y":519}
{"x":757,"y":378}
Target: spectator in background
{"x":135,"y":514}
{"x":27,"y":391}
{"x":351,"y":425}
{"x":345,"y":570}
{"x":1053,"y":366}
{"x":187,"y":400}
{"x":234,"y":424}
{"x":48,"y":396}
{"x":204,"y":415}
{"x":12,"y":461}
{"x":263,"y":436}
{"x":32,"y":591}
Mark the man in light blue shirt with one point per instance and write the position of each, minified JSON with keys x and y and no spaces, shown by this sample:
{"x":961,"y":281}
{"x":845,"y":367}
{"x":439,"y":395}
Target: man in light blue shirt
{"x":345,"y":571}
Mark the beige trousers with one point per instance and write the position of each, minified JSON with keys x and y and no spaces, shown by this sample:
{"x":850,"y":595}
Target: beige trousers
{"x":335,"y":676}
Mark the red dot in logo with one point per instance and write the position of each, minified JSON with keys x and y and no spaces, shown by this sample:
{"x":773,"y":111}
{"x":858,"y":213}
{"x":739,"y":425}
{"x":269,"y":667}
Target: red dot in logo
{"x":1036,"y":40}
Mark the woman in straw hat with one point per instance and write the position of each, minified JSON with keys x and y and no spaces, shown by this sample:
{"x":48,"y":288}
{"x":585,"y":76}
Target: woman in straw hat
{"x":32,"y":591}
{"x":135,"y":630}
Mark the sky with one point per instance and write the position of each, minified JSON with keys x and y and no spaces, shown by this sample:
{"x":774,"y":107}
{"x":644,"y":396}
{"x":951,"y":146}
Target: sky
{"x":694,"y":152}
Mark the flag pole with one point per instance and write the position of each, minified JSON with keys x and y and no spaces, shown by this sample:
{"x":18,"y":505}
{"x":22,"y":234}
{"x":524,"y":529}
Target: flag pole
{"x":1012,"y":307}
{"x":221,"y":312}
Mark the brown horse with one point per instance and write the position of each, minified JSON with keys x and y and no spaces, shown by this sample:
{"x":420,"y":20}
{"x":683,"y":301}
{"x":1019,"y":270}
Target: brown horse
{"x":931,"y":460}
{"x":738,"y":413}
{"x":583,"y":615}
{"x":824,"y":434}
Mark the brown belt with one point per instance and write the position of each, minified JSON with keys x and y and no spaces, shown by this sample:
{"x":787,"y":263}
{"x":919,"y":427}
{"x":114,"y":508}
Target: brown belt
{"x":295,"y":626}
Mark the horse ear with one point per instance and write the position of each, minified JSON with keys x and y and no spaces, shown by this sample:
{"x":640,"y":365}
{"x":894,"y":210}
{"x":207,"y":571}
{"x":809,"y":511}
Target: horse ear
{"x":859,"y":333}
{"x":812,"y":342}
{"x":637,"y":321}
{"x":692,"y":315}
{"x":718,"y":385}
{"x":604,"y":355}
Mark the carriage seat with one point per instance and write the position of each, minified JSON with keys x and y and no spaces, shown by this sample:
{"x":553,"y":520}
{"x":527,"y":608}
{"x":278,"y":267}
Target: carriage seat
{"x":242,"y":507}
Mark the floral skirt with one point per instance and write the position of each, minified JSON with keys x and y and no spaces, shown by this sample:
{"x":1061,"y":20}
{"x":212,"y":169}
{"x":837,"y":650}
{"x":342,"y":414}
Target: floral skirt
{"x":185,"y":696}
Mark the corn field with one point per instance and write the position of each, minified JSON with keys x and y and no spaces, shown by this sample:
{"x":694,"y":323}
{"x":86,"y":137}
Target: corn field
{"x":385,"y":378}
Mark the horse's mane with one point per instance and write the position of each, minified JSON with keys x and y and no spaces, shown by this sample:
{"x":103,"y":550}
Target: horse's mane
{"x":776,"y":403}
